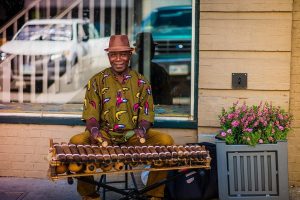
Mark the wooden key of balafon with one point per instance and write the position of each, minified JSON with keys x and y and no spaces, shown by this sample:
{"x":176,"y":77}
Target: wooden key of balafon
{"x":134,"y":153}
{"x":75,"y":152}
{"x":119,"y":152}
{"x":105,"y":154}
{"x":90,"y":152}
{"x":112,"y":153}
{"x":153,"y":152}
{"x":127,"y":154}
{"x":82,"y":153}
{"x":66,"y":149}
{"x":60,"y":155}
{"x":98,"y":153}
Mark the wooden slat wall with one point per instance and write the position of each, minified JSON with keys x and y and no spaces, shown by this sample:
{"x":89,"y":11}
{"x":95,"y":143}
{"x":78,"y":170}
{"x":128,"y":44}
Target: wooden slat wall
{"x":294,"y":136}
{"x":245,"y":31}
{"x":246,"y":5}
{"x":211,"y":102}
{"x":262,"y":68}
{"x":252,"y":37}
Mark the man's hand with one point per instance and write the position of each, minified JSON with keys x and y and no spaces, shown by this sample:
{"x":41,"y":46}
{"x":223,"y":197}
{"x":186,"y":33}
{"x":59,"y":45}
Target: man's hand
{"x":97,"y":137}
{"x":141,"y":133}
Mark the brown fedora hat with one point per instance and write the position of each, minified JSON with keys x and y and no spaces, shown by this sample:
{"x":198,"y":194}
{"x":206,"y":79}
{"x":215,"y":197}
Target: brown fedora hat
{"x":119,"y":43}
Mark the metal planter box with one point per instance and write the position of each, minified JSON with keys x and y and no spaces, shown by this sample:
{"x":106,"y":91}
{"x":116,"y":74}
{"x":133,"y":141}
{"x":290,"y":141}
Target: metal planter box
{"x":252,"y":173}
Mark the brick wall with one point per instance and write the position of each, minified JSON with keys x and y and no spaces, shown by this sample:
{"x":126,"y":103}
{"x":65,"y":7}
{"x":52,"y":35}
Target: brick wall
{"x":23,"y":148}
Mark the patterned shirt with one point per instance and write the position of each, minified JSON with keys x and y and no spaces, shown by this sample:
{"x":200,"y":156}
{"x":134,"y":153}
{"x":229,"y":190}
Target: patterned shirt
{"x":118,"y":107}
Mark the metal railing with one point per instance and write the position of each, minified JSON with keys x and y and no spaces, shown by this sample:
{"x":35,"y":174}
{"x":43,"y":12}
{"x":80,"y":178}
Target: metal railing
{"x":24,"y":78}
{"x":17,"y":85}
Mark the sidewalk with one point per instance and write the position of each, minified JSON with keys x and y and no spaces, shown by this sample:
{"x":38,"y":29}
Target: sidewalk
{"x":42,"y":189}
{"x":12,"y":188}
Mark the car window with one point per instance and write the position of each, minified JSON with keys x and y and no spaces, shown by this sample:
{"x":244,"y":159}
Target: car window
{"x":173,"y":18}
{"x":169,"y":18}
{"x":48,"y":32}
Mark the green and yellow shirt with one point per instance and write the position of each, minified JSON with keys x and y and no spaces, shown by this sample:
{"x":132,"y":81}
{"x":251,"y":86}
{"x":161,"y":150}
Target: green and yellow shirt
{"x":118,"y":107}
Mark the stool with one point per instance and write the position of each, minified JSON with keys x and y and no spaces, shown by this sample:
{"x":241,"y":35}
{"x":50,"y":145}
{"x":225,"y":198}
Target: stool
{"x":103,"y":179}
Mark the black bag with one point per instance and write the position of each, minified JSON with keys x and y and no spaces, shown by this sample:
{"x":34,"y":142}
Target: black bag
{"x":195,"y":184}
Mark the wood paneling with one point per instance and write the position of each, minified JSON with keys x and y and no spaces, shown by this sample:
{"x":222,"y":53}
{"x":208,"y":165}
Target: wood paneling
{"x":245,"y":31}
{"x":181,"y":136}
{"x":266,"y":70}
{"x":246,"y":5}
{"x":211,"y":102}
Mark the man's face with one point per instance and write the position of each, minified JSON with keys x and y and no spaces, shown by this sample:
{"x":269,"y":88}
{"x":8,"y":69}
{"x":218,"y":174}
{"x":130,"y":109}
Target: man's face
{"x":119,"y":60}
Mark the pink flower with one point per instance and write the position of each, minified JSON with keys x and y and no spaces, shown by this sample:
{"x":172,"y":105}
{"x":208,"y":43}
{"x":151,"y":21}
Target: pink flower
{"x":235,"y":123}
{"x":265,"y":123}
{"x":264,"y":120}
{"x":244,"y":119}
{"x":223,"y":120}
{"x":249,"y":130}
{"x":259,"y":113}
{"x":250,"y":118}
{"x":230,"y":116}
{"x":223,"y":134}
{"x":244,"y":108}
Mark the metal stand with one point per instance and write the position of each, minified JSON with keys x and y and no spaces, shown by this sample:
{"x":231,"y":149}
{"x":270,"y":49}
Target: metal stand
{"x":134,"y":193}
{"x":103,"y":179}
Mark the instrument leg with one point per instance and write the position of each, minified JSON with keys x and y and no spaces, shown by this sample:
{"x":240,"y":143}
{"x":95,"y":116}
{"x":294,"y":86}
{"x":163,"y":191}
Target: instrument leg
{"x":70,"y":180}
{"x":102,"y":180}
{"x":133,"y":180}
{"x":162,"y":182}
{"x":104,"y":186}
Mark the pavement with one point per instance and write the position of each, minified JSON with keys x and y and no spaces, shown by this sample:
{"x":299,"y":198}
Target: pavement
{"x":12,"y":188}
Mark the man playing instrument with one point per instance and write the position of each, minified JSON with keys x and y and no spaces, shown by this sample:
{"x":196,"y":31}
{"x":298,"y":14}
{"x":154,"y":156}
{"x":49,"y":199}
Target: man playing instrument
{"x":118,"y":109}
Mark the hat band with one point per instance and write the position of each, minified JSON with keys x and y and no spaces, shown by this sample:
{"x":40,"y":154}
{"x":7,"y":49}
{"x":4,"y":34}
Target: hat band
{"x":119,"y":48}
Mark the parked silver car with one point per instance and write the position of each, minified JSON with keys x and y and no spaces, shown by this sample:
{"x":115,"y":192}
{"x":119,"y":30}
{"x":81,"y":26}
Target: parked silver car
{"x":65,"y":41}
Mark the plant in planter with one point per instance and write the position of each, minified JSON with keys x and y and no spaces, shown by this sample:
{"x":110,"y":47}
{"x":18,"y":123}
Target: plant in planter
{"x":252,"y":152}
{"x":263,"y":124}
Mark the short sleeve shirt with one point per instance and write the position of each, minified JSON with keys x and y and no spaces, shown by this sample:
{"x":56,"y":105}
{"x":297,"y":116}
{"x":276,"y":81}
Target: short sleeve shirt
{"x":118,"y":106}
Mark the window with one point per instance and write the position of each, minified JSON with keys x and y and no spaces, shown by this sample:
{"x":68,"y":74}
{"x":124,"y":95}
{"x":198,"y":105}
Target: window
{"x":46,"y":66}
